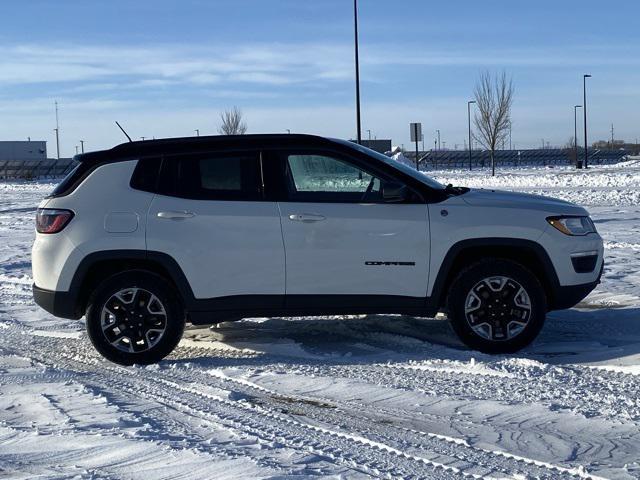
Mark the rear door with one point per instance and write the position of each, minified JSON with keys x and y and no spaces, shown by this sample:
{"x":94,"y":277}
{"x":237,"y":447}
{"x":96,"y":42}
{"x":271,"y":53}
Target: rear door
{"x":212,"y":218}
{"x":341,"y":237}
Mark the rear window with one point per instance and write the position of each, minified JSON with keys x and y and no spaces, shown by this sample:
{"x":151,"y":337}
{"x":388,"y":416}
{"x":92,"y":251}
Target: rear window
{"x":71,"y":180}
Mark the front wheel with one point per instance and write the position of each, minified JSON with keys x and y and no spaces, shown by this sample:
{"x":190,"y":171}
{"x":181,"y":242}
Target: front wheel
{"x":134,"y":317}
{"x":496,"y":306}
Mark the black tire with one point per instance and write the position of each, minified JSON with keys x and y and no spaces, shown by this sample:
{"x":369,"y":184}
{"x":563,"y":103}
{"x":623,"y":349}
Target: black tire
{"x":496,"y":321}
{"x":150,"y":345}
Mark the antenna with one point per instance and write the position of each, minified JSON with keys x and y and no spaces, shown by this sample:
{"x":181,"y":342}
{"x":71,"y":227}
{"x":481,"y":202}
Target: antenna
{"x":125,"y":133}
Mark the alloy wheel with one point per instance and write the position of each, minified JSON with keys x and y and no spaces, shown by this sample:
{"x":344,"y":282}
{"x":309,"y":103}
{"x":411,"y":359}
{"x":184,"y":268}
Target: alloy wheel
{"x":133,"y":320}
{"x":498,"y":308}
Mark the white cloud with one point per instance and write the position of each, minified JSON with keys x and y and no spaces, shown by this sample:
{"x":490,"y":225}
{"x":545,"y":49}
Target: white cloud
{"x":275,"y":64}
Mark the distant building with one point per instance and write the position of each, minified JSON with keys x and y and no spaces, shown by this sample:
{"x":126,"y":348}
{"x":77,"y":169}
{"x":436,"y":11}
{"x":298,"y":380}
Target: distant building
{"x":27,"y":160}
{"x":380,"y":146}
{"x":632,"y":148}
{"x":23,"y":150}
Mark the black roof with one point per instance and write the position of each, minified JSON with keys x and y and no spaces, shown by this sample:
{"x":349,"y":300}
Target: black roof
{"x":167,"y":146}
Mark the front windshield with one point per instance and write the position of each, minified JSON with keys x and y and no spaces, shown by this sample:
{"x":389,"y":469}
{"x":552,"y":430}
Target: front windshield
{"x":395,"y":164}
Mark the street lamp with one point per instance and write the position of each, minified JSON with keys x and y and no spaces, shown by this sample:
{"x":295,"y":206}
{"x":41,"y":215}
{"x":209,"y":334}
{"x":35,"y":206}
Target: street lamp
{"x":584,"y":110}
{"x":575,"y":131}
{"x":197,"y":130}
{"x":357,"y":62}
{"x":369,"y":132}
{"x":469,"y":120}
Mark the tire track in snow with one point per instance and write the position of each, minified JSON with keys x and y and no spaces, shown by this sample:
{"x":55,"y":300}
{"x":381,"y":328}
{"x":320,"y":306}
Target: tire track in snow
{"x":350,"y":451}
{"x":467,"y":459}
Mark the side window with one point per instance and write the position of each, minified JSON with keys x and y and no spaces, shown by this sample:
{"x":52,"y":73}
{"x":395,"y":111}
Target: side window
{"x":212,"y":177}
{"x":324,"y":178}
{"x":145,"y":175}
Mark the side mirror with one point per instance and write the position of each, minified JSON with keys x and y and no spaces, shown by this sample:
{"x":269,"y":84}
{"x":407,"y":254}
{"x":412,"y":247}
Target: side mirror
{"x":394,"y":192}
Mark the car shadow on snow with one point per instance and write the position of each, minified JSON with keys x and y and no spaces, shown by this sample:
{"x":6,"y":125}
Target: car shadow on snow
{"x":607,"y":335}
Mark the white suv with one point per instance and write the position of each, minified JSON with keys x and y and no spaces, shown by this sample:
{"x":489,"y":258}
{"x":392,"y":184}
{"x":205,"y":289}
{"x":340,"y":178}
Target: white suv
{"x":148,"y":235}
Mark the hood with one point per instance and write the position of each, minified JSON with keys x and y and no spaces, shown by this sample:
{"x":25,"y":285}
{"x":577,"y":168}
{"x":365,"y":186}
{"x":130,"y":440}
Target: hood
{"x":499,"y":198}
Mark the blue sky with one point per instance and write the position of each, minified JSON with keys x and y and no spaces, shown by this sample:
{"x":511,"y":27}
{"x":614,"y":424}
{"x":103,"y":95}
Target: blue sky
{"x":165,"y":68}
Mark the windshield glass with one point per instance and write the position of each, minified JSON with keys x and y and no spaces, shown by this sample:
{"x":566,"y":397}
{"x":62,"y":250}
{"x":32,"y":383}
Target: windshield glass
{"x":395,"y":164}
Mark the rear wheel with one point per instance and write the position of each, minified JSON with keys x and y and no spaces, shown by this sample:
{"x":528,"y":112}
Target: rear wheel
{"x":496,"y":306}
{"x":134,"y":317}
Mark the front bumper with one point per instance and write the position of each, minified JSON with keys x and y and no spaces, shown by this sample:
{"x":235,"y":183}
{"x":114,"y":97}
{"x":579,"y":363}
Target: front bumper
{"x":59,"y":304}
{"x":570,"y":296}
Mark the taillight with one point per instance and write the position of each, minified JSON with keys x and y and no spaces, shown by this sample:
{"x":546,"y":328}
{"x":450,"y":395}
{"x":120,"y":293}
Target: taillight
{"x":52,"y":220}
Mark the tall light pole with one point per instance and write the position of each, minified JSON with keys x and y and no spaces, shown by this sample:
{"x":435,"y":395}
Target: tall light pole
{"x":369,"y":132}
{"x":575,"y":130}
{"x":197,"y":130}
{"x":584,"y":110}
{"x":469,"y":121}
{"x":57,"y":129}
{"x":438,"y":131}
{"x":82,"y":146}
{"x":357,"y":61}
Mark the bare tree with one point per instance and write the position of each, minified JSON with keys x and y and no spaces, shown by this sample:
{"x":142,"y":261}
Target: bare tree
{"x":494,"y":97}
{"x":232,"y":123}
{"x":570,"y":150}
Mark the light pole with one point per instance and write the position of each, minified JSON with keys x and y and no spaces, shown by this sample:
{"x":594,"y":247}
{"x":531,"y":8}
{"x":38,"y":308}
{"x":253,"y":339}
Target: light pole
{"x":575,"y":131}
{"x":357,"y":62}
{"x":438,"y":139}
{"x":584,"y":111}
{"x":289,"y":131}
{"x":82,"y":146}
{"x":57,"y":130}
{"x":369,"y":132}
{"x":469,"y":121}
{"x":197,"y":130}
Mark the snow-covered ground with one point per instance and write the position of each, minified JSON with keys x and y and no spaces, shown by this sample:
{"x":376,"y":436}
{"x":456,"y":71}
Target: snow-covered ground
{"x":380,"y":396}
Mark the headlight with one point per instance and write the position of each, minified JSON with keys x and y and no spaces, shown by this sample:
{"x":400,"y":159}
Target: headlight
{"x":573,"y":225}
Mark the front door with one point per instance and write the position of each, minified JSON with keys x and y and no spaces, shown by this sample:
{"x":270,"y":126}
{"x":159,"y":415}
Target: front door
{"x":342,"y":237}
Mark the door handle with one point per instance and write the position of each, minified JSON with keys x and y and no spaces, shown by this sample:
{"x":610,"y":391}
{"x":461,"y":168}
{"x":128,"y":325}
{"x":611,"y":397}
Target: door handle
{"x":306,"y":217}
{"x":176,"y":214}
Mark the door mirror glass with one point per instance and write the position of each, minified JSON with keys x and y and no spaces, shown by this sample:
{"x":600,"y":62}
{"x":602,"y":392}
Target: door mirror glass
{"x":394,"y":192}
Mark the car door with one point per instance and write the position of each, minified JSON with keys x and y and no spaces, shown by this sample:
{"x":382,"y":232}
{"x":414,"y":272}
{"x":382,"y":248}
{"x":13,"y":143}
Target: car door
{"x":342,"y":237}
{"x":212,"y":218}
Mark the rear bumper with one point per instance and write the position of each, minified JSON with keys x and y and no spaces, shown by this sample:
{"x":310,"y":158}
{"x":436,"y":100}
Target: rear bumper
{"x":570,"y":296}
{"x":59,"y":304}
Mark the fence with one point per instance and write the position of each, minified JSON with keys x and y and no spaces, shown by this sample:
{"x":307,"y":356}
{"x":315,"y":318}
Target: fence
{"x":450,"y":159}
{"x":28,"y":169}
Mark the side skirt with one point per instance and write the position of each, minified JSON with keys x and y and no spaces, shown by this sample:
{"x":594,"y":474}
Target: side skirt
{"x":224,"y":309}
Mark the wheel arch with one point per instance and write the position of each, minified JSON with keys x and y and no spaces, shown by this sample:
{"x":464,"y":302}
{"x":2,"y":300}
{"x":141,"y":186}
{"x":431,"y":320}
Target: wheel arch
{"x":528,"y":253}
{"x":97,"y":266}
